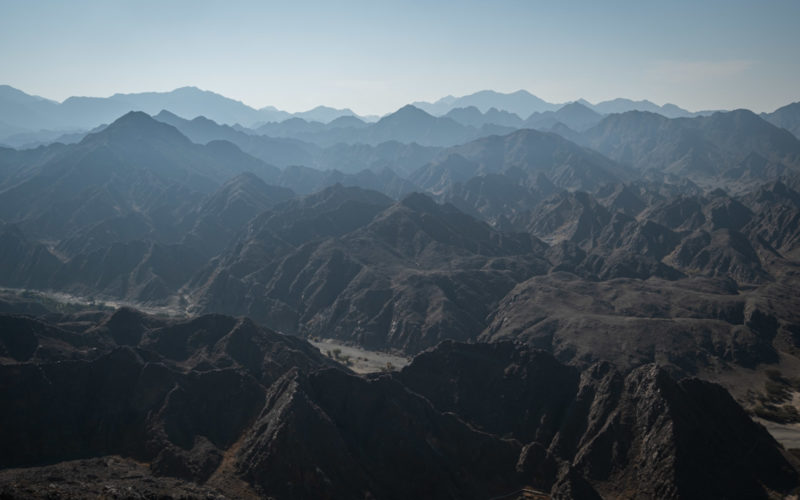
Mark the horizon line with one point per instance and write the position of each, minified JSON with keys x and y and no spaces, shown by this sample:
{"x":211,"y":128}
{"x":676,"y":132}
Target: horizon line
{"x":374,"y":114}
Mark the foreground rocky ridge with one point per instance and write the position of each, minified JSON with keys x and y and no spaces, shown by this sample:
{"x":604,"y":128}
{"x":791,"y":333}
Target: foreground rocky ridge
{"x":217,"y":405}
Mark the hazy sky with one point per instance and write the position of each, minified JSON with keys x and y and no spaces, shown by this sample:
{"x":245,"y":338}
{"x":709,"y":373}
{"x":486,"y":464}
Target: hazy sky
{"x":374,"y":56}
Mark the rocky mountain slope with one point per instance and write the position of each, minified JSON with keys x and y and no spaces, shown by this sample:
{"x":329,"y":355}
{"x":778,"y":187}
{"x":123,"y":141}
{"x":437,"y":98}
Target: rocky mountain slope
{"x":730,"y":146}
{"x":346,"y":263}
{"x":219,"y":405}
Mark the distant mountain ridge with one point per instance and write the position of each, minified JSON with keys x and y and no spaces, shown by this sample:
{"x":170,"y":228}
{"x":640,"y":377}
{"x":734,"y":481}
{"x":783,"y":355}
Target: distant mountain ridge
{"x":21,"y":112}
{"x":521,"y":102}
{"x":524,"y":104}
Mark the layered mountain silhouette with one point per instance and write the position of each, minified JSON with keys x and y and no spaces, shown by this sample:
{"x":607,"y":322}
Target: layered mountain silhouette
{"x":521,"y":103}
{"x":408,"y":125}
{"x":525,"y":104}
{"x":22,"y":112}
{"x":526,"y":153}
{"x":472,"y":116}
{"x":32,"y":120}
{"x":622,"y":105}
{"x":575,"y":116}
{"x":292,"y":151}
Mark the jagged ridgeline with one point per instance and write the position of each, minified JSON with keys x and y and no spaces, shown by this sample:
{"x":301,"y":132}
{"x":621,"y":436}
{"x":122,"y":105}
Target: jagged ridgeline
{"x":221,"y":405}
{"x":596,"y":301}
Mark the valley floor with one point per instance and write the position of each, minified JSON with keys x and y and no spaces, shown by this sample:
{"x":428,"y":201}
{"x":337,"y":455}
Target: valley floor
{"x":786,"y":434}
{"x":359,"y":359}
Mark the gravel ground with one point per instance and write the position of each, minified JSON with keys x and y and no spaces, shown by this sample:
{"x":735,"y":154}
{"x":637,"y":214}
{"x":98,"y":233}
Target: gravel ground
{"x":361,"y":360}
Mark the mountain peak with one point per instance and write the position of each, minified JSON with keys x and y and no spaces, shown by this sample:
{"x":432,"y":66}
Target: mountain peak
{"x":410,"y":108}
{"x":166,"y":115}
{"x":133,"y":118}
{"x":419,"y":202}
{"x":137,"y":125}
{"x":15,"y":95}
{"x":324,"y":114}
{"x":407,"y":112}
{"x":577,"y":107}
{"x":190,"y":88}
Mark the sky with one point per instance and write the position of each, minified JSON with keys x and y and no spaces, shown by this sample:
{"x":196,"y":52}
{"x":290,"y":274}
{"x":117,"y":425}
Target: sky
{"x":375,"y":56}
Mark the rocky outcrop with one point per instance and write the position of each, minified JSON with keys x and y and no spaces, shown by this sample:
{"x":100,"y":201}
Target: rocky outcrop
{"x":639,"y":434}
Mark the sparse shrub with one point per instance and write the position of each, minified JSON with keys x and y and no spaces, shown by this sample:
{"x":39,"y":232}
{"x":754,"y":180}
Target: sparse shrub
{"x":778,"y":388}
{"x":341,"y":358}
{"x":785,"y":414}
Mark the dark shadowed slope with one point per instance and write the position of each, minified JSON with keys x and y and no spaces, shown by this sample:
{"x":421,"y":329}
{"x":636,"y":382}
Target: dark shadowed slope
{"x":218,"y":404}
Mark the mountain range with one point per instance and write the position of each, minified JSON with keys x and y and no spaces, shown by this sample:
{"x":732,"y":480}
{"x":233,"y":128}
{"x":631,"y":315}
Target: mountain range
{"x":582,"y":304}
{"x":21,"y":112}
{"x":27,"y":120}
{"x":524,"y":104}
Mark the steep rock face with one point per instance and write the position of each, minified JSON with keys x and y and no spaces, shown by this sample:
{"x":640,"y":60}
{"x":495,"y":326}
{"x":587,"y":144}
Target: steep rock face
{"x":117,"y":229}
{"x":686,"y":324}
{"x":139,"y":270}
{"x":226,"y":212}
{"x":640,"y":435}
{"x":82,"y":408}
{"x":333,"y":435}
{"x":588,"y":240}
{"x":574,"y":217}
{"x":174,"y":393}
{"x":621,"y":198}
{"x":528,"y":390}
{"x":25,"y":263}
{"x":721,"y":253}
{"x":632,"y":249}
{"x":680,"y":213}
{"x":777,"y":217}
